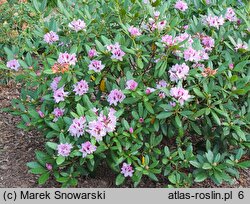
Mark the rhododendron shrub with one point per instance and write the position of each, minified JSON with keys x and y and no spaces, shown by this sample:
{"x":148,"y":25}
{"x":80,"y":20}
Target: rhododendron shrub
{"x":151,"y":88}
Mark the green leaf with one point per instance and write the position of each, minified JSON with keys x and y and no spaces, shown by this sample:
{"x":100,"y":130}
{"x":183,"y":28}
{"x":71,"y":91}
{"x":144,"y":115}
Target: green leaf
{"x":148,"y":106}
{"x":178,"y":121}
{"x":80,"y":109}
{"x":240,"y":66}
{"x":43,"y":178}
{"x":199,"y":113}
{"x":48,"y":71}
{"x":201,"y":176}
{"x":195,"y":164}
{"x":152,"y":176}
{"x":172,"y":178}
{"x":206,"y":166}
{"x":198,"y":92}
{"x":164,"y":115}
{"x":216,"y":118}
{"x":244,"y":164}
{"x":119,"y":179}
{"x":33,"y":165}
{"x":62,"y":9}
{"x":60,"y":160}
{"x":40,"y":170}
{"x":52,"y":145}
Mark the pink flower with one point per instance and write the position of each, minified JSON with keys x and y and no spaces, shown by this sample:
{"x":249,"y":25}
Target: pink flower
{"x":109,"y":121}
{"x":181,"y":5}
{"x":41,"y":114}
{"x":59,"y":94}
{"x":131,"y":84}
{"x":230,"y":15}
{"x":161,"y":84}
{"x":185,"y":27}
{"x":54,"y":83}
{"x":112,"y":47}
{"x":182,"y":37}
{"x":48,"y":166}
{"x":77,"y":127}
{"x":134,"y":32}
{"x":13,"y":64}
{"x":131,"y":130}
{"x":117,"y":54}
{"x":115,"y":96}
{"x":167,"y":39}
{"x":67,"y":58}
{"x":149,"y":90}
{"x":231,"y":66}
{"x":97,"y":130}
{"x":50,"y":37}
{"x":127,"y":170}
{"x":57,"y":112}
{"x":162,"y":95}
{"x":116,"y":51}
{"x":157,"y":14}
{"x":214,"y":21}
{"x":77,"y":25}
{"x":92,"y":53}
{"x":96,"y":65}
{"x":172,"y":103}
{"x":180,"y":94}
{"x":141,"y":120}
{"x":161,"y":25}
{"x":87,"y":148}
{"x":193,"y":55}
{"x":178,"y":72}
{"x":241,"y":46}
{"x":208,"y":43}
{"x":81,"y":87}
{"x":64,"y":149}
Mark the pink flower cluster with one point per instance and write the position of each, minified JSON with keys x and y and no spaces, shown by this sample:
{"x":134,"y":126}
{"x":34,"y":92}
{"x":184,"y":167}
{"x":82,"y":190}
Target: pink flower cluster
{"x":77,"y":127}
{"x":230,"y":15}
{"x":50,"y":37}
{"x":60,"y":94}
{"x":131,"y":85}
{"x":170,"y":41}
{"x":54,"y":83}
{"x":116,"y":51}
{"x":153,"y":24}
{"x":115,"y":96}
{"x":64,"y":149}
{"x":57,"y":112}
{"x":127,"y":170}
{"x":81,"y":87}
{"x":134,"y":32}
{"x":67,"y":58}
{"x":77,"y":25}
{"x":241,"y":46}
{"x":178,"y":71}
{"x":181,"y":5}
{"x":87,"y":148}
{"x":92,"y":53}
{"x":214,"y":21}
{"x":103,"y":125}
{"x":161,"y":84}
{"x":179,"y":94}
{"x":207,"y":42}
{"x":13,"y":64}
{"x":96,"y":65}
{"x":193,"y":55}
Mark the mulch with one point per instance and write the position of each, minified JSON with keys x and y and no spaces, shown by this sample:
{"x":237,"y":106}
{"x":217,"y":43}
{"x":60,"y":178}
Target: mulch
{"x":17,"y":147}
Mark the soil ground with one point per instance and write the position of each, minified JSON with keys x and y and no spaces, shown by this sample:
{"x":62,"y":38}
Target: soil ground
{"x":18,"y":147}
